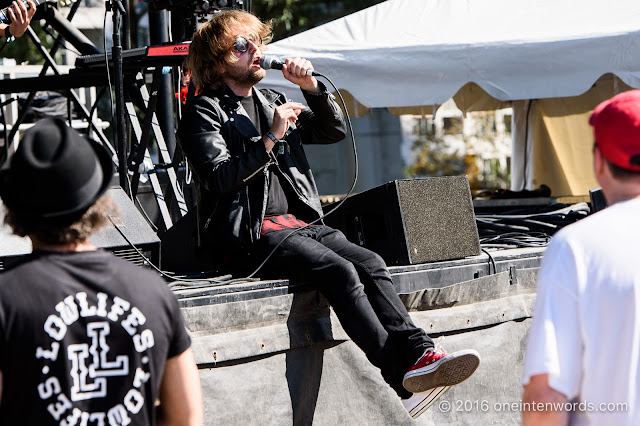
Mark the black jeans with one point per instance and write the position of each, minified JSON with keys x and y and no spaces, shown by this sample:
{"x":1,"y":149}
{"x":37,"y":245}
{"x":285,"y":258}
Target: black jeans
{"x":358,"y":285}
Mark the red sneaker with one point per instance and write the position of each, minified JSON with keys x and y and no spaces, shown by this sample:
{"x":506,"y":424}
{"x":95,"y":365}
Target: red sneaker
{"x":437,"y":368}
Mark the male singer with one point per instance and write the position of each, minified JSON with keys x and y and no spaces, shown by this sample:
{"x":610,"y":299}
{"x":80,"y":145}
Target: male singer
{"x":255,"y":188}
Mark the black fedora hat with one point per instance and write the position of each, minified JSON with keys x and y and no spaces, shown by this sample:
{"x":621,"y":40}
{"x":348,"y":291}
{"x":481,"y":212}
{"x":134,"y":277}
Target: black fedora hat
{"x":55,"y":172}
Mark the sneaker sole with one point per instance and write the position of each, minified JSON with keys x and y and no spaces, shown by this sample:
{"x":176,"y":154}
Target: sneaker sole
{"x":450,"y":372}
{"x":426,"y":403}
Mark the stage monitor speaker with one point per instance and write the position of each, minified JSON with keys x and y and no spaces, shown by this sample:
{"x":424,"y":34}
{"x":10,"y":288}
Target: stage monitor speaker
{"x":412,"y":221}
{"x":130,"y":221}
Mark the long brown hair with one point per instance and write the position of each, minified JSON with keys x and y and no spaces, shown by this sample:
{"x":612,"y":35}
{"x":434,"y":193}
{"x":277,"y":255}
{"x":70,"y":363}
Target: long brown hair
{"x":212,"y":41}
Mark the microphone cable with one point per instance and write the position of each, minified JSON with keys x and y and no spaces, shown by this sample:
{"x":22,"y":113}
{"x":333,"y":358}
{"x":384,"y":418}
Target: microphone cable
{"x":222,"y":280}
{"x":353,"y":184}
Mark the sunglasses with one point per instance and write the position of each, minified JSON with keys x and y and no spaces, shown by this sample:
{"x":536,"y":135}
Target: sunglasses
{"x":242,"y":43}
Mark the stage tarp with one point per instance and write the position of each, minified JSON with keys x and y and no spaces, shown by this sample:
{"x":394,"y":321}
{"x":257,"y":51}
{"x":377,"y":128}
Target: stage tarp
{"x":277,"y":354}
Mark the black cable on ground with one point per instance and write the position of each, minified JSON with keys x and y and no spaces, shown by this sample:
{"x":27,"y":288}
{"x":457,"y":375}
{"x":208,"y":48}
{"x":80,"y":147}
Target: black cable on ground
{"x":492,"y":262}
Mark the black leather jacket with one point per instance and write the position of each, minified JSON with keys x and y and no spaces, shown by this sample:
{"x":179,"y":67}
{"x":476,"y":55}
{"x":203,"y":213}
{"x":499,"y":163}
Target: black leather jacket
{"x":229,"y":160}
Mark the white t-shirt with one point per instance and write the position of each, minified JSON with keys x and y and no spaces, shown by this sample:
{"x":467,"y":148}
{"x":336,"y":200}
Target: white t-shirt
{"x":585,"y":331}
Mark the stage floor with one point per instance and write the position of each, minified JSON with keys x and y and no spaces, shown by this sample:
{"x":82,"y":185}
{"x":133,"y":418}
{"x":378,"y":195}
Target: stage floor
{"x":406,"y":279}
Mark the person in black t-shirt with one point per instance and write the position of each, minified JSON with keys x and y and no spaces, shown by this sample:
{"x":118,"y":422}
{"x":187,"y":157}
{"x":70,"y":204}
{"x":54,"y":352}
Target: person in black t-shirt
{"x":86,"y":338}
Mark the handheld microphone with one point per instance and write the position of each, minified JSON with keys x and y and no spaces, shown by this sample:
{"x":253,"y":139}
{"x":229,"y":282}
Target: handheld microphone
{"x":269,"y":62}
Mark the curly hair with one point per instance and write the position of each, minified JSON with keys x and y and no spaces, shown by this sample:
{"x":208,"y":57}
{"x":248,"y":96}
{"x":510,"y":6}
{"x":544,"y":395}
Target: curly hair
{"x":210,"y":44}
{"x":65,"y":230}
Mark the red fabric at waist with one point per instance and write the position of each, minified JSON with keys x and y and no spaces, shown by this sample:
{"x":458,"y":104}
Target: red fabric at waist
{"x":278,"y":223}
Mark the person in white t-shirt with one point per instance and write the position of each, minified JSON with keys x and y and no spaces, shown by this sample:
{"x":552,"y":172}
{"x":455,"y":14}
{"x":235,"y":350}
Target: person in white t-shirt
{"x":582,"y":364}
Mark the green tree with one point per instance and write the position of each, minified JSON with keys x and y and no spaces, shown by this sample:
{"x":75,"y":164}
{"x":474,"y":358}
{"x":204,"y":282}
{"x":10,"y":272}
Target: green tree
{"x":433,"y":155}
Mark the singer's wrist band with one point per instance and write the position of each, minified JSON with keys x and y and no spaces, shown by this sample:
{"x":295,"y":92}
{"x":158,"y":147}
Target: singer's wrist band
{"x":280,"y":143}
{"x":273,"y":138}
{"x":7,"y":33}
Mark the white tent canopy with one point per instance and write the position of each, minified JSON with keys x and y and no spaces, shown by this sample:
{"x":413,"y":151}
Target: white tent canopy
{"x":421,"y":52}
{"x":405,"y":54}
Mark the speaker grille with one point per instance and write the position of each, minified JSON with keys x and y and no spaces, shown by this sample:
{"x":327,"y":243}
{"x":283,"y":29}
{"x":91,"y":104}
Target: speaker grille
{"x":131,"y":255}
{"x":439,"y":219}
{"x":128,"y":254}
{"x":412,"y":221}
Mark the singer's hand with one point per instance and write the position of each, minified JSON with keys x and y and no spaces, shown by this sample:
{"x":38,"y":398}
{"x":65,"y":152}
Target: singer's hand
{"x":284,"y":115}
{"x":295,"y":70}
{"x":20,"y":17}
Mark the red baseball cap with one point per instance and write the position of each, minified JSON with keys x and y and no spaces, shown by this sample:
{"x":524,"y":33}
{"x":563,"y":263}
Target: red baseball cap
{"x":616,"y":129}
